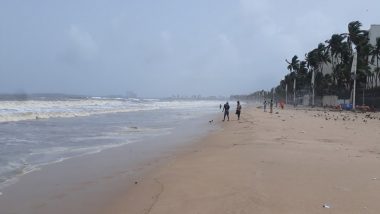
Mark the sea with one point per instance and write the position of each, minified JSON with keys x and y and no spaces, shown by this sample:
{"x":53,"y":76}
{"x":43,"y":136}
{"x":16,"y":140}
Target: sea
{"x":42,"y":130}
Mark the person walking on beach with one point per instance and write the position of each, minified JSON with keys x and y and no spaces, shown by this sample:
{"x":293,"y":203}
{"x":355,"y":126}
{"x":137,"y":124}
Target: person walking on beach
{"x":265,"y":105}
{"x":271,"y":106}
{"x":238,"y":109}
{"x":226,"y":110}
{"x":282,"y":105}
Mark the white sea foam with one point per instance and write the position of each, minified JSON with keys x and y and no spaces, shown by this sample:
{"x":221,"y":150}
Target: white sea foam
{"x":25,"y":148}
{"x":43,"y":109}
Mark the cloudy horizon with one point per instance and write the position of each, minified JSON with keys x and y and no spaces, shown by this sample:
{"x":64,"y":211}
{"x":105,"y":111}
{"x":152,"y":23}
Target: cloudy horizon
{"x":163,"y":48}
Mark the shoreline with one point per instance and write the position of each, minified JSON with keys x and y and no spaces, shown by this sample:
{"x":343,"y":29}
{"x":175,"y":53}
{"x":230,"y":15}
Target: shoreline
{"x":87,"y":183}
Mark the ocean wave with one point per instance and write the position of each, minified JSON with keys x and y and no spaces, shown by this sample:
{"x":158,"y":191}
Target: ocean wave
{"x":31,"y":110}
{"x":43,"y":109}
{"x":24,"y":148}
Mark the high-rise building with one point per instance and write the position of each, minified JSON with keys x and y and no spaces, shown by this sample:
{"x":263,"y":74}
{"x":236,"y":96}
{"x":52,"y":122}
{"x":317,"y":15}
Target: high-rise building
{"x":374,"y":32}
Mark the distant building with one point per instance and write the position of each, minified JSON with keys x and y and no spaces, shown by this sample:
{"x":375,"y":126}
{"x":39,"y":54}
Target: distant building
{"x":374,"y":32}
{"x":130,"y":94}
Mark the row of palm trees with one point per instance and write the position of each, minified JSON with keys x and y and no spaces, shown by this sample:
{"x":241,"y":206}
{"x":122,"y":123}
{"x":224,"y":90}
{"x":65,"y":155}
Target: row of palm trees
{"x":335,"y":54}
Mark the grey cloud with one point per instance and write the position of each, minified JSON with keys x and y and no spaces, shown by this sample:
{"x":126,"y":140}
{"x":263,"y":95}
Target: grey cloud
{"x":160,"y":48}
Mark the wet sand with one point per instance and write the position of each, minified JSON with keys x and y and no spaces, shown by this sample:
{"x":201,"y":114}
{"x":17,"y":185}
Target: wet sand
{"x":296,"y":161}
{"x":88,"y":184}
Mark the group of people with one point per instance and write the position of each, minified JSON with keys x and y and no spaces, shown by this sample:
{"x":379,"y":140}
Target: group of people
{"x":282,"y":105}
{"x":226,"y":110}
{"x":270,"y":105}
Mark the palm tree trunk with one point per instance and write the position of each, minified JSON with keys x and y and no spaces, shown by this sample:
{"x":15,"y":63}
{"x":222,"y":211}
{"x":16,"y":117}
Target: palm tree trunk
{"x":377,"y":70}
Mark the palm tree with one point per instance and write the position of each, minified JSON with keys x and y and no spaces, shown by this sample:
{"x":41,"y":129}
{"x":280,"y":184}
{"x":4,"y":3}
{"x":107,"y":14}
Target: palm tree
{"x":323,"y":56}
{"x":302,"y":73}
{"x":342,"y":71}
{"x":354,"y":34}
{"x":365,"y":69}
{"x":359,"y":38}
{"x":376,"y":55}
{"x":317,"y":57}
{"x":293,"y":67}
{"x":364,"y":49}
{"x":335,"y":47}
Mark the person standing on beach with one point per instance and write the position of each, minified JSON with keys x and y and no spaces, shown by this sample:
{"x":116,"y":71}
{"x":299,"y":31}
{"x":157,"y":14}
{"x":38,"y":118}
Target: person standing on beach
{"x":220,"y":106}
{"x":238,"y":109}
{"x":226,"y":110}
{"x":265,"y":105}
{"x":271,"y":106}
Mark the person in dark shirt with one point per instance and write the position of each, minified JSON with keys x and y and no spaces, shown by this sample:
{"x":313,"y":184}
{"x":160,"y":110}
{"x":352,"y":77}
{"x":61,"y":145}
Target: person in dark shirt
{"x":226,"y":110}
{"x":271,"y":106}
{"x":238,"y":109}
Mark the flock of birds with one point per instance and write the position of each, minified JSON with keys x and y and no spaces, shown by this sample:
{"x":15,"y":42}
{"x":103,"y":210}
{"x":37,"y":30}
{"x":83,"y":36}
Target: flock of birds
{"x":348,"y":116}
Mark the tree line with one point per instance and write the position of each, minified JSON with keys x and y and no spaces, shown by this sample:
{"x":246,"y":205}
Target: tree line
{"x":335,"y":54}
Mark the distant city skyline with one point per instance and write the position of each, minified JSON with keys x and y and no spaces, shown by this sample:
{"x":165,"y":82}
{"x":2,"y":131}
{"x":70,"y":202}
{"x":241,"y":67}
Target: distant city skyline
{"x":162,"y":48}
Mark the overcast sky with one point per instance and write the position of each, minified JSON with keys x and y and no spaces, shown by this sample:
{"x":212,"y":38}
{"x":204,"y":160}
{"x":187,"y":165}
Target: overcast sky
{"x":159,"y":48}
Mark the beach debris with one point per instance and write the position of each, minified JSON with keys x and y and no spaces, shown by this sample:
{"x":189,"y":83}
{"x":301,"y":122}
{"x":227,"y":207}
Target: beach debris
{"x":136,"y":182}
{"x":374,"y":178}
{"x":326,"y":206}
{"x":276,"y":112}
{"x":211,"y":121}
{"x":133,"y":127}
{"x":302,"y":132}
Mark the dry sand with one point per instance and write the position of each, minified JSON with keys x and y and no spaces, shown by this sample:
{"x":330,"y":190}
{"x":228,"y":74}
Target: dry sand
{"x":295,"y":161}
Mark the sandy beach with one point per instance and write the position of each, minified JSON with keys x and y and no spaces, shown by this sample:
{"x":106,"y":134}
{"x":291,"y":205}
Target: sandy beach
{"x":293,"y":161}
